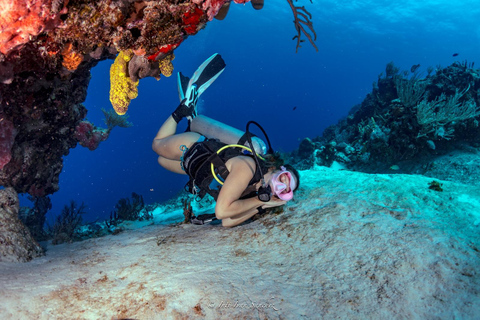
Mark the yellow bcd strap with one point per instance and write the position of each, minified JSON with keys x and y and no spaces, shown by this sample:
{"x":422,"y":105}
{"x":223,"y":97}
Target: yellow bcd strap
{"x":225,"y":147}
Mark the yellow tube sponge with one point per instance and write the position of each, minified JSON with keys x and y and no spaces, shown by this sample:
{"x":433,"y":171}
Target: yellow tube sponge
{"x":166,"y":65}
{"x":122,"y":88}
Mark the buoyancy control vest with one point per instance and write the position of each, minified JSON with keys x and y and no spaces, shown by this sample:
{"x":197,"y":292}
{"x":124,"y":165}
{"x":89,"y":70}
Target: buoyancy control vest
{"x":197,"y":162}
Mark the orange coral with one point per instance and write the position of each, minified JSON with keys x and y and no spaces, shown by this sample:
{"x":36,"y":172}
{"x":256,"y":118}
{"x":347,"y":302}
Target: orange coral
{"x":71,"y":58}
{"x":140,"y":52}
{"x":21,"y":19}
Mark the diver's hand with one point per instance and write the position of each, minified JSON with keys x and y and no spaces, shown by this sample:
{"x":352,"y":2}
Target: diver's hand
{"x":274,"y":202}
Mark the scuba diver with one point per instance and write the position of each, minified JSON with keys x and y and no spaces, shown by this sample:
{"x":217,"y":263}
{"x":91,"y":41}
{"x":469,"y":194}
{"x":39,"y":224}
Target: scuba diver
{"x":234,"y":167}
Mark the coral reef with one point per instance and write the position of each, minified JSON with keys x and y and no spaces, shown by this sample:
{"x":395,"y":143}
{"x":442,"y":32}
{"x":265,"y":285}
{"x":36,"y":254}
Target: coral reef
{"x":222,"y":13}
{"x":34,"y":218}
{"x":211,"y":7}
{"x":7,"y":136}
{"x":112,"y":120}
{"x":20,"y":20}
{"x":166,"y":65}
{"x":90,"y":136}
{"x":122,"y":88}
{"x":435,"y":185}
{"x":140,"y":67}
{"x":71,"y":58}
{"x":405,"y":118}
{"x":42,"y":101}
{"x":301,"y":20}
{"x":66,"y":224}
{"x":113,"y":221}
{"x":16,"y":242}
{"x":47,"y":48}
{"x":191,"y":19}
{"x":130,"y":210}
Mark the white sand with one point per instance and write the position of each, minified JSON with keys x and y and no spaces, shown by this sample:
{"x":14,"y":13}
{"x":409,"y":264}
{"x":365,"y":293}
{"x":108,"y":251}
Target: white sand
{"x":352,"y":246}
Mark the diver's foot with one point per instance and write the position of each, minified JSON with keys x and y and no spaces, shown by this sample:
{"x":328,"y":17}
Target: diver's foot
{"x":186,"y":109}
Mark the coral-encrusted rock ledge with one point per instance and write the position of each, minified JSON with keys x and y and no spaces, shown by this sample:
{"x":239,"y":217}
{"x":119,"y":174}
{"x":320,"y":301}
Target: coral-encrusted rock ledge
{"x":353,"y":246}
{"x":16,"y":242}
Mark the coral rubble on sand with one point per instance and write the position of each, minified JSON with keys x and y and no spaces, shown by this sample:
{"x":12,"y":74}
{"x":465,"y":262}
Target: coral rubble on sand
{"x":352,"y":246}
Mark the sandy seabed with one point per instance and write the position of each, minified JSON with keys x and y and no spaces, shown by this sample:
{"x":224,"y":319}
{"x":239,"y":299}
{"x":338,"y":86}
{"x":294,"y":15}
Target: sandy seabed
{"x":351,"y":246}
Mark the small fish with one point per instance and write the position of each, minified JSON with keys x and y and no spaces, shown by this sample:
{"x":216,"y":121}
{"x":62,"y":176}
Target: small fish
{"x":414,"y":67}
{"x":455,"y":54}
{"x":294,"y":108}
{"x":395,"y":167}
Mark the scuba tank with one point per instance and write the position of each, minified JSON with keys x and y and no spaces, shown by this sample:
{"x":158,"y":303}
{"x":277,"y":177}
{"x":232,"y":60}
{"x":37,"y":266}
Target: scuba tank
{"x":214,"y":129}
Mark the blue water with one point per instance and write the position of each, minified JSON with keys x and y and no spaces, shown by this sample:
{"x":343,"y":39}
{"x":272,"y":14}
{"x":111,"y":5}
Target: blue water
{"x":264,"y":81}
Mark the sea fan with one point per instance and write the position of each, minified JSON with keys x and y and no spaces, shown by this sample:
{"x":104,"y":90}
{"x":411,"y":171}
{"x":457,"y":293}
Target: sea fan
{"x":112,"y":119}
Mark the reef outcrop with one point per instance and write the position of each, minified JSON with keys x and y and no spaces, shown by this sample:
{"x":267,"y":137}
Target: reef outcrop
{"x":16,"y":242}
{"x":47,"y":48}
{"x":406,"y":119}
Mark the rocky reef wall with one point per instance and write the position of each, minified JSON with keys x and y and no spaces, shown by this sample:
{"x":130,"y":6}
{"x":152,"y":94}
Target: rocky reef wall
{"x":47,"y":49}
{"x":16,"y":242}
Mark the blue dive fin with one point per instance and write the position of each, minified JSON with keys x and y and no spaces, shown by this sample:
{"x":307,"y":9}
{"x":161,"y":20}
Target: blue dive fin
{"x":208,"y":71}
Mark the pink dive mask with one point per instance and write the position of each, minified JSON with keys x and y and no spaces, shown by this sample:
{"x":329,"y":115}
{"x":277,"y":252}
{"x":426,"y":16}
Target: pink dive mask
{"x":279,"y":187}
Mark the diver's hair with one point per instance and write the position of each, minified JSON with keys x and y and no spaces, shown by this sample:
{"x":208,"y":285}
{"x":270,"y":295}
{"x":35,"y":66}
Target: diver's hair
{"x":273,"y":161}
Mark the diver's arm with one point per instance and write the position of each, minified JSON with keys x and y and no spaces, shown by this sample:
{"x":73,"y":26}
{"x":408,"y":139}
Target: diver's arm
{"x":239,"y":218}
{"x":230,"y":209}
{"x":243,"y":216}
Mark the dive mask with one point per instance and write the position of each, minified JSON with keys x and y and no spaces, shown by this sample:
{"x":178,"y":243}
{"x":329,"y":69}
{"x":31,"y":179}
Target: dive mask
{"x":279,"y":187}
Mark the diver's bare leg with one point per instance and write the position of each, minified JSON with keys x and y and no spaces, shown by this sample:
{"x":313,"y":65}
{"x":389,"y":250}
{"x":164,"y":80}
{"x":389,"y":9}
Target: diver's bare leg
{"x":168,"y":128}
{"x":171,"y":165}
{"x":167,"y":144}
